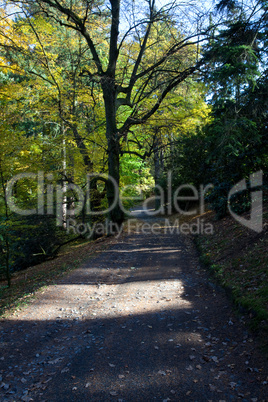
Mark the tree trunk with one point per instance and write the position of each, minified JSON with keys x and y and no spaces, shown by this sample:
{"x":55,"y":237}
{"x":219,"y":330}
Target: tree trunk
{"x":6,"y":235}
{"x":116,"y":215}
{"x":158,"y":169}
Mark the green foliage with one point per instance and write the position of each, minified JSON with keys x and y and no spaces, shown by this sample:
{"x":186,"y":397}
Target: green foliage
{"x":236,"y":138}
{"x":232,"y":146}
{"x":137,"y":181}
{"x":31,"y":240}
{"x":233,"y":153}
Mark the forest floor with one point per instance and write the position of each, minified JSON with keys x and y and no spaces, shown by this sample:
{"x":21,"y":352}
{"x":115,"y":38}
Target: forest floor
{"x":138,"y":319}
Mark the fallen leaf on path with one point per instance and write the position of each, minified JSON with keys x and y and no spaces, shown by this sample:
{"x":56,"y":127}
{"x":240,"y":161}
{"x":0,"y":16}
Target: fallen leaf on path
{"x":191,"y":357}
{"x":49,"y":379}
{"x":26,"y":398}
{"x":55,"y":361}
{"x":212,"y":387}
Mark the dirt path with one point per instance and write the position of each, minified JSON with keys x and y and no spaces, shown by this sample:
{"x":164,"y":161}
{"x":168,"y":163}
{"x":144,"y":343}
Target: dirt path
{"x":139,"y":322}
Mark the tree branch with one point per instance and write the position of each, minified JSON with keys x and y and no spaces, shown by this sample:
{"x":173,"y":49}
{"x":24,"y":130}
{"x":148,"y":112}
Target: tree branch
{"x":131,"y":120}
{"x":113,"y":51}
{"x":79,"y":26}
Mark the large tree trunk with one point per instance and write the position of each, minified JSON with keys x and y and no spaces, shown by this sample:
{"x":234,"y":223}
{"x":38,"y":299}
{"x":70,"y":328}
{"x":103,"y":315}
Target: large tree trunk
{"x":158,"y":169}
{"x":116,"y":215}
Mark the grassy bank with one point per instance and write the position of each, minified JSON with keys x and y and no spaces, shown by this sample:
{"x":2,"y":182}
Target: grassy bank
{"x":237,"y":257}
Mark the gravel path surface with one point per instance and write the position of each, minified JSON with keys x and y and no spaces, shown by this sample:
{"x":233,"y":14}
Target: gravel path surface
{"x":138,"y":322}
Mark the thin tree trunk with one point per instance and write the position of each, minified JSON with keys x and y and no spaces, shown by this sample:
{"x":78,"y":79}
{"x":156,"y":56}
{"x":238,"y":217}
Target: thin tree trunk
{"x":7,"y":253}
{"x":64,"y":167}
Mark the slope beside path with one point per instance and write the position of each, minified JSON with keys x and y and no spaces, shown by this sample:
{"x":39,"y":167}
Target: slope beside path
{"x":138,"y":322}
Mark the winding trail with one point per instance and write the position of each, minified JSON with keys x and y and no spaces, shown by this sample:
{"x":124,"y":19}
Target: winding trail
{"x":138,"y":322}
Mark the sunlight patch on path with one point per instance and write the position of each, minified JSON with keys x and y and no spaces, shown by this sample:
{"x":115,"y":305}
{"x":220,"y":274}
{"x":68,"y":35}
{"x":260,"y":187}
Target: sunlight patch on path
{"x":106,"y":300}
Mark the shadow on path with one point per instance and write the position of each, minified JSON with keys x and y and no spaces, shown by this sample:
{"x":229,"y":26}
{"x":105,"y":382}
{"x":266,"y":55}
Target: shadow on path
{"x":140,"y":322}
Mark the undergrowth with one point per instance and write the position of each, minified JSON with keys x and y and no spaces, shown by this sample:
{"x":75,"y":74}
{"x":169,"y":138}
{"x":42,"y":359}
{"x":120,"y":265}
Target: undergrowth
{"x":237,"y":258}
